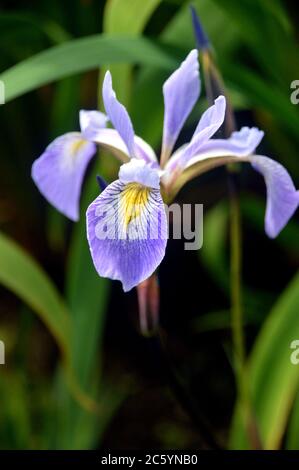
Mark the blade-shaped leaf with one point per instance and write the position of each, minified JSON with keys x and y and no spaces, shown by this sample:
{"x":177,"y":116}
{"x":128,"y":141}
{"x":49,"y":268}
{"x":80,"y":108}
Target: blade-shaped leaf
{"x":26,"y":279}
{"x":272,"y":376}
{"x":87,"y":296}
{"x":78,"y":56}
{"x":126,"y":17}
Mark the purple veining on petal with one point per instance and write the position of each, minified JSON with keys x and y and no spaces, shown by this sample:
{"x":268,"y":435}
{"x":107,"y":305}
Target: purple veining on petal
{"x":127,"y":242}
{"x":118,"y":114}
{"x":282,"y":197}
{"x":181,"y":92}
{"x":59,"y":172}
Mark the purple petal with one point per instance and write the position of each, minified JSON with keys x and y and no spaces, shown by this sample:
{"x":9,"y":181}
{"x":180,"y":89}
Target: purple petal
{"x":181,"y":92}
{"x":59,"y":172}
{"x":112,"y":141}
{"x":209,"y":123}
{"x":144,"y":151}
{"x":127,"y":232}
{"x":91,"y":122}
{"x":212,"y":118}
{"x":118,"y":114}
{"x":282,"y":197}
{"x":240,"y":144}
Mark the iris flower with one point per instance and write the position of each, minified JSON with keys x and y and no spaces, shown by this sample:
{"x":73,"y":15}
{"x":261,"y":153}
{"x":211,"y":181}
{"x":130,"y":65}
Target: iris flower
{"x":133,"y":205}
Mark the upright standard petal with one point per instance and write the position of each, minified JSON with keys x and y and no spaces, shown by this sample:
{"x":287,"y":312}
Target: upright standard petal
{"x":212,"y":118}
{"x":282,"y":197}
{"x":118,"y":115}
{"x":91,"y":122}
{"x":59,"y":172}
{"x":209,"y":123}
{"x":127,"y":229}
{"x":181,"y":92}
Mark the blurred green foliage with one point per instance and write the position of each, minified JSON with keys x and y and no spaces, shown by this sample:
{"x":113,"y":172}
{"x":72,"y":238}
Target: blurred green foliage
{"x":54,"y":50}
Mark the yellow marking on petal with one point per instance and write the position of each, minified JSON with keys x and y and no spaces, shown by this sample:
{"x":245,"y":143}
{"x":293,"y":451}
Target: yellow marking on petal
{"x":134,"y":198}
{"x":77,"y":145}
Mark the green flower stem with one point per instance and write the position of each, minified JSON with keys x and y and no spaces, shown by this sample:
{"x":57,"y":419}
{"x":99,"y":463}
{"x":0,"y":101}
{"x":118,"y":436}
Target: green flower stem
{"x":237,"y":320}
{"x":215,"y":87}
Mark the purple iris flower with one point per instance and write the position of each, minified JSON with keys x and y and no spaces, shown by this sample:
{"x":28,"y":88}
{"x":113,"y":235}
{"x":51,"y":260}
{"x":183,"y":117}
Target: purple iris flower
{"x":127,"y":223}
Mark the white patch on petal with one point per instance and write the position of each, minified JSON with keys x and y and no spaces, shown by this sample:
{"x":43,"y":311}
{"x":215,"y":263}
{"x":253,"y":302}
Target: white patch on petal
{"x":138,"y":171}
{"x":91,"y":121}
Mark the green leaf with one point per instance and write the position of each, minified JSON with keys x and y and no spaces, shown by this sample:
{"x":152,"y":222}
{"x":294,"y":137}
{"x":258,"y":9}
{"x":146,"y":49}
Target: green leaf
{"x":279,"y":61}
{"x":273,"y":378}
{"x":26,"y":279}
{"x":264,"y":94}
{"x":20,"y":25}
{"x":126,"y":17}
{"x":81,"y":55}
{"x":179,"y":30}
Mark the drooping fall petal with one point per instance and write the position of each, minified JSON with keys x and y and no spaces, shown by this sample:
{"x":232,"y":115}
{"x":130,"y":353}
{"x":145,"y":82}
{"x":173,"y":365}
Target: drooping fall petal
{"x":127,"y":226}
{"x":282,"y":197}
{"x":59,"y":171}
{"x":209,"y":123}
